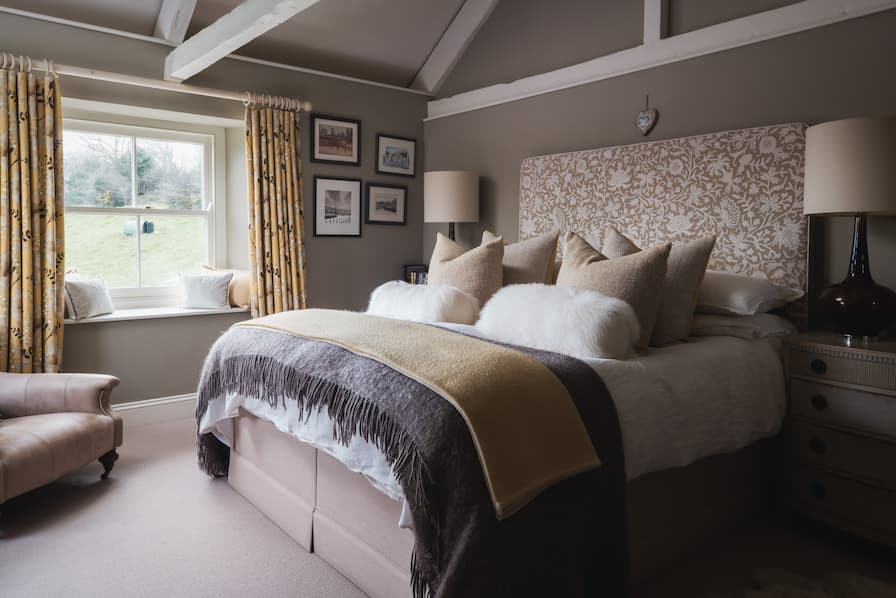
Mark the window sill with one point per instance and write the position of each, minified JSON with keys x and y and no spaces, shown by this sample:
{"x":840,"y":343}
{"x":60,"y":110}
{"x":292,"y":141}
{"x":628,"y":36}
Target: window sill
{"x":151,"y":313}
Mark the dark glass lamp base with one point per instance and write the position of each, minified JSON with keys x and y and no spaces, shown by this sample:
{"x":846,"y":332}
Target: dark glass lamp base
{"x":859,"y":308}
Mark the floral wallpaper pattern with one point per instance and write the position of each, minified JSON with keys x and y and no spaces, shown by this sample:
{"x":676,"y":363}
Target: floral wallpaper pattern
{"x":744,"y":186}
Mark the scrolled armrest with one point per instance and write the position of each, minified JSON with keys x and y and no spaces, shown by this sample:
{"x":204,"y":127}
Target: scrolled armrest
{"x":35,"y":394}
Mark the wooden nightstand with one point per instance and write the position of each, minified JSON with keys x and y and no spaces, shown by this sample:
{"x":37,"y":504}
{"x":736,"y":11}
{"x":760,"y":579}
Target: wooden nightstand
{"x":842,"y":424}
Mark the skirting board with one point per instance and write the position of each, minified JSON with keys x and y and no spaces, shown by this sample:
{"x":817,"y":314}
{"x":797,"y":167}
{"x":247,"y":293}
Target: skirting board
{"x":157,"y":411}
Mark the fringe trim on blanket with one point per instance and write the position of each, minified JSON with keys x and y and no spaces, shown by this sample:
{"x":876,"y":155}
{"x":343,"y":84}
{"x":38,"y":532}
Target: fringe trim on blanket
{"x":271,"y":381}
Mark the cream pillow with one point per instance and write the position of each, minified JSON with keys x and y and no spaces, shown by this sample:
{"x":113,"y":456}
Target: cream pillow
{"x":684,"y":273}
{"x":528,"y":261}
{"x":741,"y":295}
{"x":637,"y":279}
{"x":755,"y":326}
{"x":239,"y":289}
{"x":208,"y":291}
{"x":477,"y":271}
{"x":87,"y":298}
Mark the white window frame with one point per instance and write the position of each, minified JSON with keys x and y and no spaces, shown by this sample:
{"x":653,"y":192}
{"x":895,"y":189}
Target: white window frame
{"x":212,"y":139}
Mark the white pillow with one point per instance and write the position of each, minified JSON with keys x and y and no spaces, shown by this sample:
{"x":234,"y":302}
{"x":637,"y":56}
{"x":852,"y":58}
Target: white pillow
{"x":755,"y":326}
{"x":208,"y":290}
{"x":740,"y":295}
{"x":423,"y":303}
{"x":86,"y":298}
{"x":578,"y":322}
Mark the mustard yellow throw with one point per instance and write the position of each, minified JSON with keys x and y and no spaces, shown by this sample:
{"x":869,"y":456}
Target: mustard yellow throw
{"x":523,"y":421}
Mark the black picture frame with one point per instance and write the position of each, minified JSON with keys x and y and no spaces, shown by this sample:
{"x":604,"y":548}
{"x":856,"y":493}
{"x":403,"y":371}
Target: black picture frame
{"x":322,"y":228}
{"x":383,"y":156}
{"x":319,"y":120}
{"x":401,"y":204}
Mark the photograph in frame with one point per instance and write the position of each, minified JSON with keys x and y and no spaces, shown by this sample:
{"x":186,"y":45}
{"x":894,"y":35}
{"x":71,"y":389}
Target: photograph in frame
{"x":335,"y":140}
{"x":337,"y":207}
{"x":395,"y":155}
{"x":386,"y":204}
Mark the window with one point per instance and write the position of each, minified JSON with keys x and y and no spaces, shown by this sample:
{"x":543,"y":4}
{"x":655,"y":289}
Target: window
{"x":138,"y":205}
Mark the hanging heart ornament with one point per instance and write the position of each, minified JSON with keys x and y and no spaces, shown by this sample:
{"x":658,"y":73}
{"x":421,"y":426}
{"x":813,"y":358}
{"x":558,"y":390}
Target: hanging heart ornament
{"x":646,"y":120}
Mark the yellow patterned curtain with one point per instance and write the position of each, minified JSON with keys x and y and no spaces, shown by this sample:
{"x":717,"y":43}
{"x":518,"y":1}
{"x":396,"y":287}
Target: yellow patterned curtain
{"x":276,"y":217}
{"x":31,"y":223}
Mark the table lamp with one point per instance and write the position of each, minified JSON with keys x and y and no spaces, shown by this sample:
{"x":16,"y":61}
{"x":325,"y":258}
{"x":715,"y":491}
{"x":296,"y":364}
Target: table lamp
{"x":450,"y":196}
{"x":851,"y":170}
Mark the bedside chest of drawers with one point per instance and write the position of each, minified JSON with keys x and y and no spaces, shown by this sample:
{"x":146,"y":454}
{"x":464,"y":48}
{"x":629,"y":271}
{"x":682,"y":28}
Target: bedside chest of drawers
{"x":842,"y":423}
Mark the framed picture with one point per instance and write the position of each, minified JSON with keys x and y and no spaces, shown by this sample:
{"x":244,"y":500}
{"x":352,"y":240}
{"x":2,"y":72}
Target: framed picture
{"x":335,"y":140}
{"x":337,"y":207}
{"x":395,"y":155}
{"x":386,"y":204}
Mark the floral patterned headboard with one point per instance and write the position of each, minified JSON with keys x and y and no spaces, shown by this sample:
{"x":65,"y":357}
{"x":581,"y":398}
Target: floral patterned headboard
{"x":744,"y":186}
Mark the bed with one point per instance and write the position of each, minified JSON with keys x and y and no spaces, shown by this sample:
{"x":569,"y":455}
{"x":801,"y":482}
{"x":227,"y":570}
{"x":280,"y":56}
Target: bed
{"x":695,"y":417}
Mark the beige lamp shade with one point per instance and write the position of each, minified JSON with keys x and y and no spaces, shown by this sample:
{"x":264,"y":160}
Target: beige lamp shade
{"x":851,"y":167}
{"x":450,"y":196}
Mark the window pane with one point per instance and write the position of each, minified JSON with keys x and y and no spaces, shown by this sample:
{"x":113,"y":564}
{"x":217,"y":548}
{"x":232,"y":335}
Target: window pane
{"x":97,"y":169}
{"x":170,"y":245}
{"x":102,"y":246}
{"x":169,"y":174}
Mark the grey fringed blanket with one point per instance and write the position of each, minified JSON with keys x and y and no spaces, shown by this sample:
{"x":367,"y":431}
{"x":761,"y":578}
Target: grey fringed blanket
{"x":569,"y":541}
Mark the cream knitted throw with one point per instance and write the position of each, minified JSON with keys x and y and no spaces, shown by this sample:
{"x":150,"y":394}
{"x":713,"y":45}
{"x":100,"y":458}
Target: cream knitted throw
{"x":503,"y":395}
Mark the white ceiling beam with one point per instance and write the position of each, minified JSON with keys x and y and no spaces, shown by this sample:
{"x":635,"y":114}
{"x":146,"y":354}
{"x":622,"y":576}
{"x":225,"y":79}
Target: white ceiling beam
{"x":451,"y":46}
{"x":173,"y":20}
{"x":244,"y":23}
{"x":655,"y":14}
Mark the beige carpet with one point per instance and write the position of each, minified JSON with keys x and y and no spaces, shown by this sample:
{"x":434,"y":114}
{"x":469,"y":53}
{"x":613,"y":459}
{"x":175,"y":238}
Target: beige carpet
{"x":157,"y":527}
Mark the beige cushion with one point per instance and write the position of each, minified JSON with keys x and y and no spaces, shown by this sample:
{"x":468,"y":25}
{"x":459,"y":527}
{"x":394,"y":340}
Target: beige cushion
{"x":238,"y":288}
{"x":477,"y":271}
{"x":87,"y":298}
{"x":528,"y":261}
{"x":684,"y":273}
{"x":637,"y":279}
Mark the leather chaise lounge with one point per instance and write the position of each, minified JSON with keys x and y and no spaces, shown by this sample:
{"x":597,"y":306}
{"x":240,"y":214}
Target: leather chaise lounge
{"x":52,"y":424}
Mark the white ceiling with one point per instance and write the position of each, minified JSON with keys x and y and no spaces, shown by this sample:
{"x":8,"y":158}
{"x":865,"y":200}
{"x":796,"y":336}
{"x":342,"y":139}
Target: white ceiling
{"x":379,"y":40}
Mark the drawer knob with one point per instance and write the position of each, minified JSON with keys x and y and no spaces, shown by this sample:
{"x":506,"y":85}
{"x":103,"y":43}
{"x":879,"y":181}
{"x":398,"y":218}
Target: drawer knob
{"x":819,"y":367}
{"x":818,"y":445}
{"x":818,"y":490}
{"x":819,"y":402}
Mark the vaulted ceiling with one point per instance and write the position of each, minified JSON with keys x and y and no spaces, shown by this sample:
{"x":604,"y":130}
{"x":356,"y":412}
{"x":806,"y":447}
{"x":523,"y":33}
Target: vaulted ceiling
{"x":386,"y":41}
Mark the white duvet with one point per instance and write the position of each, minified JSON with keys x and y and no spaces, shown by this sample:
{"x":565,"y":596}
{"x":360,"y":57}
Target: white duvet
{"x":676,"y":405}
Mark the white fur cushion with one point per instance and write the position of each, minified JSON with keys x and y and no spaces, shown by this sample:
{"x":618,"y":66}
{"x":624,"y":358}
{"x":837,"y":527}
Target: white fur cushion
{"x":578,"y":322}
{"x":423,"y":303}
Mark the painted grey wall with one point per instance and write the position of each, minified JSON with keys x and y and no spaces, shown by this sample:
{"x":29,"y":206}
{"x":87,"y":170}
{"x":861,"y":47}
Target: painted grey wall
{"x":828,"y":73}
{"x":154,"y":358}
{"x":688,"y":15}
{"x":527,"y":37}
{"x":341,"y":271}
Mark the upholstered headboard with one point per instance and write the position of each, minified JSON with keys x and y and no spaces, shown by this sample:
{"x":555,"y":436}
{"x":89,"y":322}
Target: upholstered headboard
{"x":744,"y":186}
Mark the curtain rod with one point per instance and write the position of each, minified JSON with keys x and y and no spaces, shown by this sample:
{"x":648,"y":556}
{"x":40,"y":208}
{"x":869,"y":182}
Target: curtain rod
{"x":25,"y":63}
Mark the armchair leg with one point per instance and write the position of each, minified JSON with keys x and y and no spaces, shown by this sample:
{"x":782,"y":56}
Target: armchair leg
{"x":108,"y":460}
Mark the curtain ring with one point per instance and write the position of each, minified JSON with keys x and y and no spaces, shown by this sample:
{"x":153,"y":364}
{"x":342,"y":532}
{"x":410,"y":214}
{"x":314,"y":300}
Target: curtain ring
{"x":248,"y":99}
{"x":28,"y":58}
